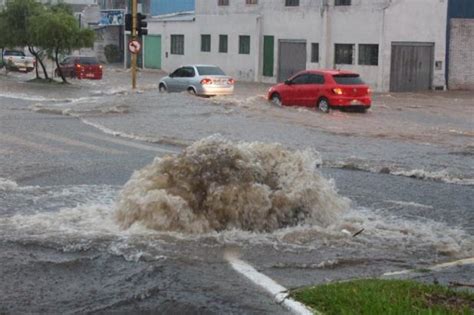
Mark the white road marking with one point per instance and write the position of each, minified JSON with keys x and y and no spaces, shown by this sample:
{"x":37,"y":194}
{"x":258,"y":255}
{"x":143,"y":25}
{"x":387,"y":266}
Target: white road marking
{"x":129,"y":143}
{"x":76,"y":143}
{"x":278,"y":292}
{"x":36,"y":146}
{"x":467,"y":261}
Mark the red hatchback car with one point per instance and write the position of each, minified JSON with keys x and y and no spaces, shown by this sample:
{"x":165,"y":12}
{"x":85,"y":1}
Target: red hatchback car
{"x":81,"y":67}
{"x":323,"y":89}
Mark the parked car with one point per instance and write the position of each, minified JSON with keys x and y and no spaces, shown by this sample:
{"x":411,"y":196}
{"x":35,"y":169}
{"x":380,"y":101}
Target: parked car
{"x":323,"y":89}
{"x":203,"y":80}
{"x":16,"y":60}
{"x":80,"y":67}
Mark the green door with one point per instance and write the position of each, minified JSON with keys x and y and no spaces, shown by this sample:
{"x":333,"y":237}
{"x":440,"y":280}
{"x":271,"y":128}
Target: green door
{"x":268,"y":53}
{"x":152,"y":53}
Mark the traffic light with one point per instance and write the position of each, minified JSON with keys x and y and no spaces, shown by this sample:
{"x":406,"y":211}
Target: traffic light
{"x":128,"y":22}
{"x":141,"y":24}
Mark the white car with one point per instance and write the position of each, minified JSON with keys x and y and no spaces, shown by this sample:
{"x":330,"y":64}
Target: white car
{"x":203,"y":80}
{"x":16,"y":60}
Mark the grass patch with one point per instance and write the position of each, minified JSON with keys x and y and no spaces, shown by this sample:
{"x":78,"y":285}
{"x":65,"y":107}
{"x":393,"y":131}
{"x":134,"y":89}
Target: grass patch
{"x":376,"y":297}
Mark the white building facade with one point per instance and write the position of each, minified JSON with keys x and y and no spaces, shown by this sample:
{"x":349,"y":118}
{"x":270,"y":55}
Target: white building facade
{"x":396,"y":45}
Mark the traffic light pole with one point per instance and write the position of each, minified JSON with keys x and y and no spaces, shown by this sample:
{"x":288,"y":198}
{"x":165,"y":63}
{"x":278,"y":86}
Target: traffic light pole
{"x":134,"y":37}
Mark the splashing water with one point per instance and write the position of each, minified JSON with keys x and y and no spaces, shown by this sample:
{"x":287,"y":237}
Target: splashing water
{"x":216,"y":185}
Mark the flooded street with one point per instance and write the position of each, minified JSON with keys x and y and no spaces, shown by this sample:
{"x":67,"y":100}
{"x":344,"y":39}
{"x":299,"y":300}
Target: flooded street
{"x":113,"y":201}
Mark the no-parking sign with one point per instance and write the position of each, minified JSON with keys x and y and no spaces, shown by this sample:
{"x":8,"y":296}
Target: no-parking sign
{"x":134,"y":46}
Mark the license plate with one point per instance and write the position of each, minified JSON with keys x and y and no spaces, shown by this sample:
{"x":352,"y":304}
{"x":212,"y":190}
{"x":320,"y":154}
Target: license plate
{"x":89,"y":75}
{"x":22,"y":69}
{"x":356,"y":102}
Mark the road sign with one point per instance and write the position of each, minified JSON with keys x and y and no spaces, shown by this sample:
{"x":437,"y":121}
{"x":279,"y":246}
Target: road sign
{"x":134,"y":46}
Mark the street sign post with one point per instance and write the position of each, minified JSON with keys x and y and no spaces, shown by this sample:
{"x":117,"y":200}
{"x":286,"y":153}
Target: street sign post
{"x":134,"y":46}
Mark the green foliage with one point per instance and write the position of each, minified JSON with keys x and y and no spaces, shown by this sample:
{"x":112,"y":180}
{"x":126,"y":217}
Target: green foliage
{"x":385,"y":297}
{"x":17,"y":21}
{"x":30,"y":23}
{"x":57,"y":31}
{"x":112,"y":53}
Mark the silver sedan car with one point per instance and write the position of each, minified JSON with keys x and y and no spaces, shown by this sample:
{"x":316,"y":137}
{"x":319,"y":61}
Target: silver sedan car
{"x":203,"y":80}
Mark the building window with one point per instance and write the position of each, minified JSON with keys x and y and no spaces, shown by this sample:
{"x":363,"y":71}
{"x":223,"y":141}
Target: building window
{"x":315,"y":52}
{"x":292,"y":3}
{"x":177,"y":44}
{"x":251,"y":1}
{"x":206,"y":43}
{"x":342,"y":2}
{"x":369,"y":54}
{"x":222,"y":43}
{"x":344,"y":54}
{"x":222,"y":2}
{"x":244,"y":44}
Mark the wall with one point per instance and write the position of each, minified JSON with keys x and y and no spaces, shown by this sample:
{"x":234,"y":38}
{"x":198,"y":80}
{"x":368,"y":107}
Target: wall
{"x":461,"y":52}
{"x":315,"y":21}
{"x":426,"y":22}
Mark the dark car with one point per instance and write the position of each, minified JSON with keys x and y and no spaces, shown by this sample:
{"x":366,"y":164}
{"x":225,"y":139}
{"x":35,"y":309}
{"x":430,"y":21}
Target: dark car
{"x":80,"y":67}
{"x":323,"y":89}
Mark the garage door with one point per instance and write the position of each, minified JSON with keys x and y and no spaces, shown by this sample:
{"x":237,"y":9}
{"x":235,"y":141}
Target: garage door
{"x":291,"y":58}
{"x":411,"y":67}
{"x":152,"y":53}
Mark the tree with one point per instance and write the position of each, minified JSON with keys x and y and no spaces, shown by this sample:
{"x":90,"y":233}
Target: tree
{"x":3,"y":37}
{"x":17,"y":17}
{"x":56,"y":30}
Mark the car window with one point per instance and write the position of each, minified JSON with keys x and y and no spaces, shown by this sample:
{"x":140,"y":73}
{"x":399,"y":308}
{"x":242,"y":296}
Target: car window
{"x":188,"y":72}
{"x":348,"y":79}
{"x":88,"y":60}
{"x":301,"y":79}
{"x":208,"y":70}
{"x":177,"y":73}
{"x":14,"y":53}
{"x":315,"y":79}
{"x":66,"y":60}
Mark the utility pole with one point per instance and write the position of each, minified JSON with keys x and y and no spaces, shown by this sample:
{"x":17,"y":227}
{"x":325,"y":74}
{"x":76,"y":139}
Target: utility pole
{"x":136,"y":24}
{"x":134,"y":37}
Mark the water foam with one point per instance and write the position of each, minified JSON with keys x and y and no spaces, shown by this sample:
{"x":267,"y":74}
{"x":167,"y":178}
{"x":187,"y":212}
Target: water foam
{"x":216,"y":185}
{"x":7,"y":185}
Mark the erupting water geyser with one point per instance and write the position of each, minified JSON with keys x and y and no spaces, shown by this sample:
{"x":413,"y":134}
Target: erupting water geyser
{"x":216,"y":185}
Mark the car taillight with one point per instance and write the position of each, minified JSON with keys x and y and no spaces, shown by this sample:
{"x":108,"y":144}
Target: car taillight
{"x":337,"y":91}
{"x":206,"y":81}
{"x":369,"y":91}
{"x":78,"y":66}
{"x":100,"y":66}
{"x":231,"y":81}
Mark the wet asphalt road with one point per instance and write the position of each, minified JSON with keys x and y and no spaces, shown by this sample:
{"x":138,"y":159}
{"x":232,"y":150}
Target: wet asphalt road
{"x":64,"y":274}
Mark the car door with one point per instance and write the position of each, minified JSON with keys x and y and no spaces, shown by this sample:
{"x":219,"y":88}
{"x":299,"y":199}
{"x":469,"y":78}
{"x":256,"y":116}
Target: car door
{"x":188,"y":78}
{"x":312,"y":89}
{"x":66,"y":66}
{"x":173,"y":82}
{"x":295,"y":89}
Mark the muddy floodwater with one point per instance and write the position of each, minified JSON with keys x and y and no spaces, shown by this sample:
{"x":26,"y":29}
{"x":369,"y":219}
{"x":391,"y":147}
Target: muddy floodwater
{"x":119,"y":201}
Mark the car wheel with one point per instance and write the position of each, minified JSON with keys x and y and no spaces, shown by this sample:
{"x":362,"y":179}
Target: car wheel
{"x":192,"y":91}
{"x":162,"y":88}
{"x":323,"y":105}
{"x":276,"y":99}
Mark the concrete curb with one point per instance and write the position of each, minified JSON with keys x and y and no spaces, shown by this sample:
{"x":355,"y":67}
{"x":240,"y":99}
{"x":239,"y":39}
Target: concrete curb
{"x":279,"y":293}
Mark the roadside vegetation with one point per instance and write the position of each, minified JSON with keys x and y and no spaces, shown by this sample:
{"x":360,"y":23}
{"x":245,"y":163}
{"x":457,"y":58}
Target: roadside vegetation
{"x":45,"y":30}
{"x":385,"y":297}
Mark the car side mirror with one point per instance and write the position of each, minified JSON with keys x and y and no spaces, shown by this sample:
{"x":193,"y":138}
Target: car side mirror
{"x":171,"y":75}
{"x":288,"y":82}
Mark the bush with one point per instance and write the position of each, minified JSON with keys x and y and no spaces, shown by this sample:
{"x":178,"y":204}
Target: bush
{"x":112,"y":53}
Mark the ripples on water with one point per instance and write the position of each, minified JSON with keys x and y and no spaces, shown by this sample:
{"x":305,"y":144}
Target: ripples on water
{"x":216,"y":193}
